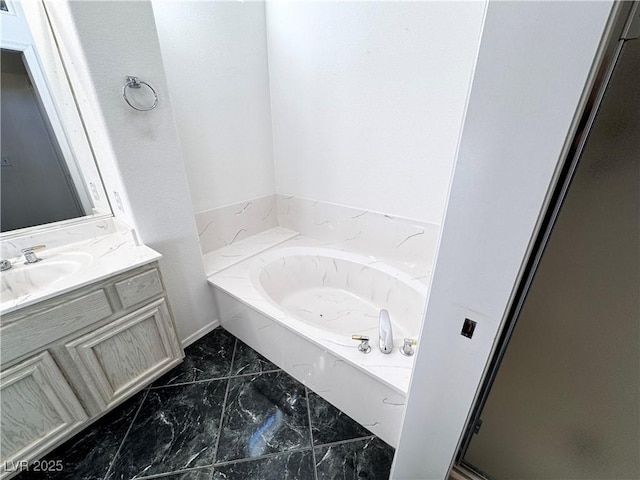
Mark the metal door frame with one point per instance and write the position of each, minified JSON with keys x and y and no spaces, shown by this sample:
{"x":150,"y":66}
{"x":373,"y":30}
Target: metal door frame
{"x":623,"y":24}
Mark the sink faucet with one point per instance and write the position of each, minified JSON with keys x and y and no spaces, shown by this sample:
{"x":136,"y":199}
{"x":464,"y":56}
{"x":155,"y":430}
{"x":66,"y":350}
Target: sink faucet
{"x":30,"y":254}
{"x":386,"y":335}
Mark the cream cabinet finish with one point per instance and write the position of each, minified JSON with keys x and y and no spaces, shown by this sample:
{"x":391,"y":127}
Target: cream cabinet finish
{"x":51,"y":324}
{"x":119,"y":358}
{"x":139,"y":287}
{"x":39,"y":409}
{"x":68,"y":360}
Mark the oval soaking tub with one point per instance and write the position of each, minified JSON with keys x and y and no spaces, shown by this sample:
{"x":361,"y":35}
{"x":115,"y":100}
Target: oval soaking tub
{"x":298,"y":304}
{"x":340,"y":293}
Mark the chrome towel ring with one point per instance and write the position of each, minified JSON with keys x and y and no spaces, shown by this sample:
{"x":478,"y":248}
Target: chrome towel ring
{"x":135,"y":82}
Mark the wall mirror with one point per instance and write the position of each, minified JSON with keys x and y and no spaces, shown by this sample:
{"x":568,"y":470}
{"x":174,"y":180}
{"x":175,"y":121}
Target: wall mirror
{"x":48,"y":173}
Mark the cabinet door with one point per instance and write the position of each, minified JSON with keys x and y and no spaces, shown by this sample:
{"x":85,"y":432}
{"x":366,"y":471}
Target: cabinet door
{"x":124,"y":355}
{"x":38,"y":408}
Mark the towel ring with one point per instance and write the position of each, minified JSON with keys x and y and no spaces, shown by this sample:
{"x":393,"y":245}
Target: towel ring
{"x":135,"y":82}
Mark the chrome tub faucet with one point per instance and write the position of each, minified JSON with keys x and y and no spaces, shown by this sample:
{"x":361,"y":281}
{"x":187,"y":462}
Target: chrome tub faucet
{"x":386,"y":335}
{"x":30,"y":254}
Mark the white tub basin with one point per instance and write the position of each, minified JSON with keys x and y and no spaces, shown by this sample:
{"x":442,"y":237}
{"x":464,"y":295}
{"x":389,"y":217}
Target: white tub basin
{"x":340,"y":293}
{"x":299,"y":302}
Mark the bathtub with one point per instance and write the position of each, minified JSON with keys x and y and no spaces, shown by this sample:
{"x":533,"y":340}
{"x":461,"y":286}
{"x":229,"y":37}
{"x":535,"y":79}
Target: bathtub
{"x":300,"y":302}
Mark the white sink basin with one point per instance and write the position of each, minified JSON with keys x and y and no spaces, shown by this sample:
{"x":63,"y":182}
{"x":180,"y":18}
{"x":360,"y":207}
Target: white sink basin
{"x":22,"y":280}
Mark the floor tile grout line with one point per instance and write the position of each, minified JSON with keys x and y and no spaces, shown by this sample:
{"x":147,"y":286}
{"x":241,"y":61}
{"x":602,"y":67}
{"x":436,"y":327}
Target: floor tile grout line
{"x":293,"y":450}
{"x":124,"y":437}
{"x":276,"y":370}
{"x":226,"y":377}
{"x":342,"y":442}
{"x":262,"y":457}
{"x":175,"y":472}
{"x":313,"y":452}
{"x":224,"y":406}
{"x":233,"y":357}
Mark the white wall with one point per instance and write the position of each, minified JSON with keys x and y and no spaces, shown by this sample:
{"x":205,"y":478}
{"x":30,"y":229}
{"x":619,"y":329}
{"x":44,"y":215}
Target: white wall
{"x":138,"y":152}
{"x":215,"y":56}
{"x":368,"y":98}
{"x":524,"y":94}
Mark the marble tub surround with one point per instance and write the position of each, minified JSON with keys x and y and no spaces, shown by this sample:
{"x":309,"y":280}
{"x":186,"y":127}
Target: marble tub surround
{"x":362,"y":230}
{"x":68,"y":267}
{"x":246,"y":228}
{"x":298,"y":292}
{"x":298,"y":304}
{"x":227,"y":225}
{"x":372,"y":403}
{"x":225,"y":257}
{"x":325,"y":293}
{"x":203,"y":428}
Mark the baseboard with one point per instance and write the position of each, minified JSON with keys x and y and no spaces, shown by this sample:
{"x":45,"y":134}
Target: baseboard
{"x":197,"y":335}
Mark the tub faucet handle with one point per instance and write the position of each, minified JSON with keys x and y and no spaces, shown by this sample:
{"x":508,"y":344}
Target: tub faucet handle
{"x":406,"y":349}
{"x":364,"y":346}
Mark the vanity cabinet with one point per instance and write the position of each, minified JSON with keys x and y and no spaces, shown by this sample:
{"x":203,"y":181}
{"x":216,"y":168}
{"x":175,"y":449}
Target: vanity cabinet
{"x":39,"y":410}
{"x":68,"y":360}
{"x":118,"y":358}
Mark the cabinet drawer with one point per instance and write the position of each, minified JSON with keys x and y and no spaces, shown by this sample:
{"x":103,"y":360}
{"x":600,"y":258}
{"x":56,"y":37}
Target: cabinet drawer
{"x":139,"y":288}
{"x":38,"y":410}
{"x":120,"y":357}
{"x":36,"y":331}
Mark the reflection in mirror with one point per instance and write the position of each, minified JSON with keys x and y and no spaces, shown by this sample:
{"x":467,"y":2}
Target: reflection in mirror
{"x":49,"y":176}
{"x":36,"y":184}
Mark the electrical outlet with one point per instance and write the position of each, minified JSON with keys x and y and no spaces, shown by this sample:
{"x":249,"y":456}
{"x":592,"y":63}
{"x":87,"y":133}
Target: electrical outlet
{"x":468,"y":327}
{"x":5,"y":162}
{"x":118,"y":201}
{"x":94,"y":191}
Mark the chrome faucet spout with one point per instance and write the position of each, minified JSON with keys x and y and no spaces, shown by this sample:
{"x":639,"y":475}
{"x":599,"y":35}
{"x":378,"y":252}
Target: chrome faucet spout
{"x":386,"y":334}
{"x":30,"y":254}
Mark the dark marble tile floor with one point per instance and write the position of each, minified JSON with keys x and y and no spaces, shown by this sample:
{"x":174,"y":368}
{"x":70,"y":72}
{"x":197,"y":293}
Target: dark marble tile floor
{"x":226,"y":413}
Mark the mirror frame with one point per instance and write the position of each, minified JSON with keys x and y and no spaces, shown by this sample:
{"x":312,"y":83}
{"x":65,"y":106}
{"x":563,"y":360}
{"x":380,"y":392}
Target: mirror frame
{"x":38,"y":46}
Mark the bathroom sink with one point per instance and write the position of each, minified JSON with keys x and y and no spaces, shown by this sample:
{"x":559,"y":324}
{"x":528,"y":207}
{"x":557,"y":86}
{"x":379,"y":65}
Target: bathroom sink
{"x":22,"y":280}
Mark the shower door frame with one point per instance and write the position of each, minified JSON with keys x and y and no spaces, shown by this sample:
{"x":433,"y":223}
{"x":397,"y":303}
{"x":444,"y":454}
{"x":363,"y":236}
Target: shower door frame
{"x":623,"y":24}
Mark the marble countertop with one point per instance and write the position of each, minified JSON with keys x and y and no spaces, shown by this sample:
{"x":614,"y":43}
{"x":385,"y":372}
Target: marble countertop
{"x":93,"y":260}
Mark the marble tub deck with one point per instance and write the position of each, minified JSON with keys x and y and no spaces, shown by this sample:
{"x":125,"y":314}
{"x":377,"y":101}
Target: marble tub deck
{"x":225,"y":413}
